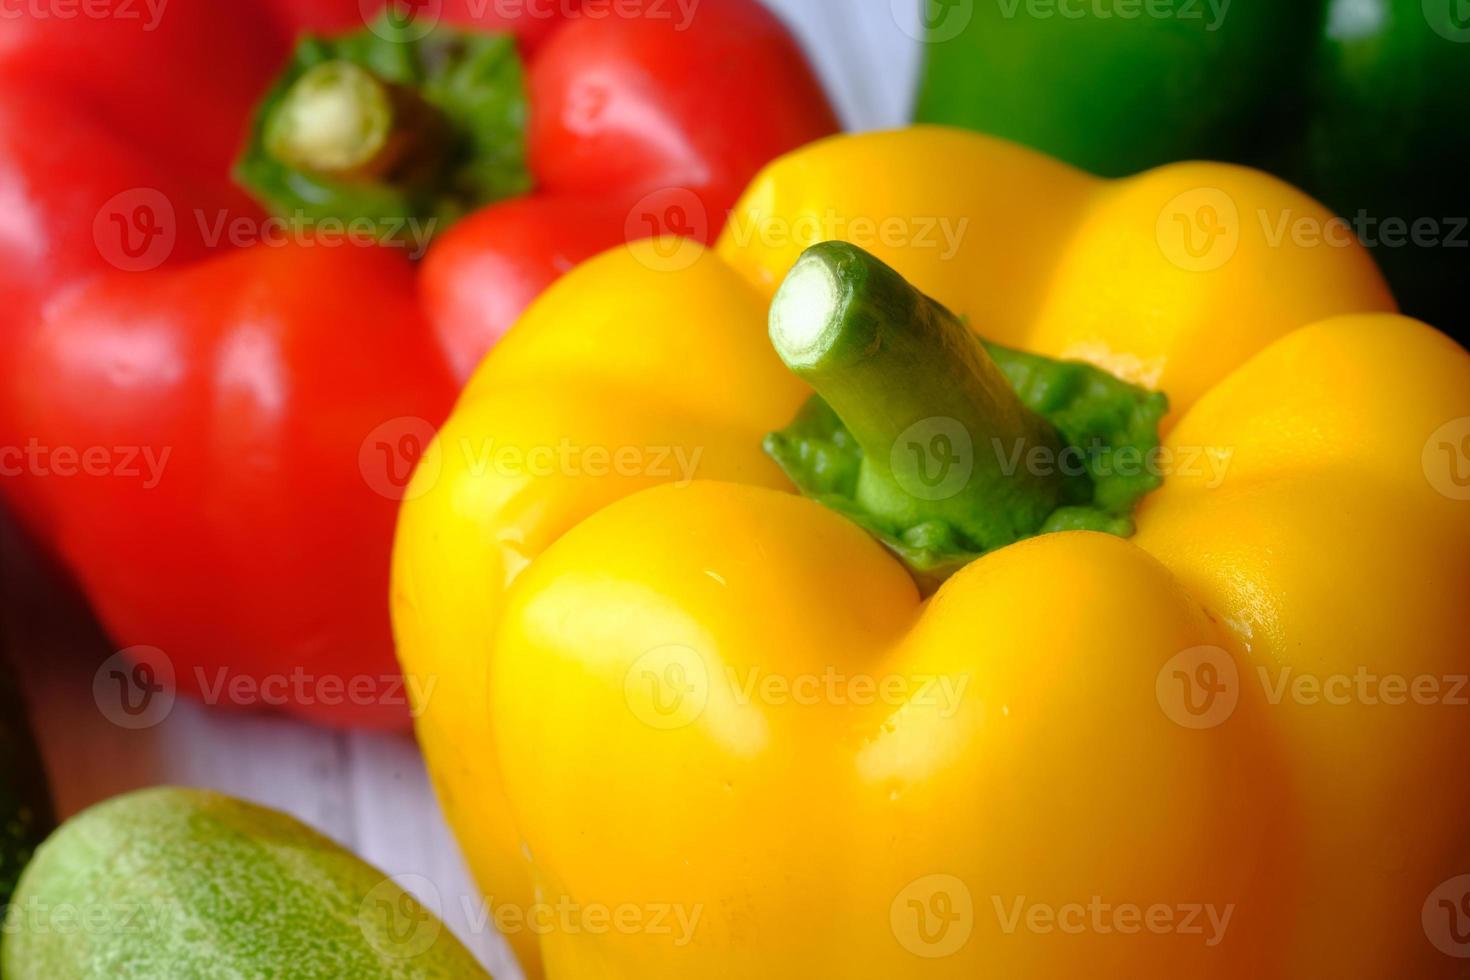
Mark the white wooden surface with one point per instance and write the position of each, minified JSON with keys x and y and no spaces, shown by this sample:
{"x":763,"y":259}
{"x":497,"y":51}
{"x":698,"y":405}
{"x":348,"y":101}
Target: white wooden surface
{"x":368,"y":791}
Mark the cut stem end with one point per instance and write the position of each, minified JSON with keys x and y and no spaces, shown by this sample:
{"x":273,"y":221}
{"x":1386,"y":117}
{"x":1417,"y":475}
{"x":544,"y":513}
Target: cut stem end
{"x":806,"y":313}
{"x":337,"y":119}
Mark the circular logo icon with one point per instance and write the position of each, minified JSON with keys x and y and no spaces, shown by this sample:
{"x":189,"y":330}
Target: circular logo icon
{"x":1446,"y":459}
{"x":1446,"y":917}
{"x":1199,"y":687}
{"x":933,"y":917}
{"x":667,"y":687}
{"x":933,"y":458}
{"x":1199,"y":230}
{"x":1450,"y":19}
{"x":135,"y":688}
{"x":400,"y":459}
{"x":932,"y":21}
{"x":403,"y":21}
{"x":667,"y":227}
{"x":136,"y":231}
{"x":395,"y":923}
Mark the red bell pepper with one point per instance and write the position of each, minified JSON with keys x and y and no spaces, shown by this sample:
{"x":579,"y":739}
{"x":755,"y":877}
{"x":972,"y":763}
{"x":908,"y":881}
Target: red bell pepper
{"x":209,"y":416}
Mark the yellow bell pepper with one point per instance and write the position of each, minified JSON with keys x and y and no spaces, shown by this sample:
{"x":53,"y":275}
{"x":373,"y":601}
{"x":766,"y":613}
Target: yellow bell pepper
{"x":691,"y":724}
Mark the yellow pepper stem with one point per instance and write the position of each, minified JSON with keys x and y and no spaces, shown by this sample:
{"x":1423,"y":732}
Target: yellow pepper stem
{"x":944,"y":436}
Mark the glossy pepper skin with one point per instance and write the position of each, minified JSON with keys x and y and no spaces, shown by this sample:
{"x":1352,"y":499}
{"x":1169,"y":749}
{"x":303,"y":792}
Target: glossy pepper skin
{"x":1357,"y":103}
{"x":608,"y":633}
{"x":258,"y":404}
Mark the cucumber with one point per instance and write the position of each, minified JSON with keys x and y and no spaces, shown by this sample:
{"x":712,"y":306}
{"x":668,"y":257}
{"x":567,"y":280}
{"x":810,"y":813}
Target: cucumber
{"x":25,"y":804}
{"x":178,"y":883}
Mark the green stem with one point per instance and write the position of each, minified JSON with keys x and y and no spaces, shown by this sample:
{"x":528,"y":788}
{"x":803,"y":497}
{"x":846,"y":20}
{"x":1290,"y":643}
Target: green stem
{"x":340,"y":120}
{"x":945,"y":439}
{"x":406,"y":134}
{"x":943,"y":446}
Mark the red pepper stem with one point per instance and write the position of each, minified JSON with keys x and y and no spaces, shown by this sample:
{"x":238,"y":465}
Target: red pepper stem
{"x":340,"y":120}
{"x":403,"y":134}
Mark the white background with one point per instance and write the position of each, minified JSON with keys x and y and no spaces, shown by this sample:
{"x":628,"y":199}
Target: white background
{"x":367,"y":791}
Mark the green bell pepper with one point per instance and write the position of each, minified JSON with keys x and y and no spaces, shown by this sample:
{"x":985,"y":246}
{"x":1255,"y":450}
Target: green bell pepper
{"x":1360,"y":102}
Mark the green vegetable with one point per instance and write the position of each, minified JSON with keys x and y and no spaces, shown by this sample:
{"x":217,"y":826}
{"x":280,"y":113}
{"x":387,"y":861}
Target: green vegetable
{"x":188,"y":884}
{"x":25,"y":805}
{"x":940,"y":445}
{"x":1359,"y":102}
